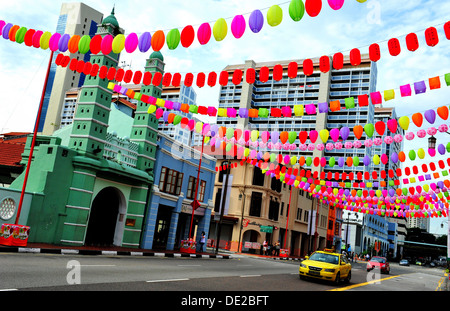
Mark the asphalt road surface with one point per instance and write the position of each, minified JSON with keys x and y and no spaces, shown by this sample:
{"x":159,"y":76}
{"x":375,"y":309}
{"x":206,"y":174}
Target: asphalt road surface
{"x":51,"y":272}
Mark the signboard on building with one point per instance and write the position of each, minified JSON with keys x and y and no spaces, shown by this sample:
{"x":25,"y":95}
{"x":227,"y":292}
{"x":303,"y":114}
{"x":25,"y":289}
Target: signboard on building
{"x":268,"y":229}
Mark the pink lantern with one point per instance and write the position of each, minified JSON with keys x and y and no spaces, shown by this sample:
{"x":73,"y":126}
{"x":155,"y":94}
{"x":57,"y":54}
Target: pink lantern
{"x":238,"y":26}
{"x":421,"y":133}
{"x":336,"y":4}
{"x":204,"y":33}
{"x":409,"y":136}
{"x":131,"y":42}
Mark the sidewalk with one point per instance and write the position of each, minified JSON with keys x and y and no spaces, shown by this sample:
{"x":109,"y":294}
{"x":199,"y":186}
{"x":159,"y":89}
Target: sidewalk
{"x":110,"y":251}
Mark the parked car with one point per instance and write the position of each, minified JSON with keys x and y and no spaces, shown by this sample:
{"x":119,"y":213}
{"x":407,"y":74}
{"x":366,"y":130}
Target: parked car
{"x":404,"y":262}
{"x":379,"y":263}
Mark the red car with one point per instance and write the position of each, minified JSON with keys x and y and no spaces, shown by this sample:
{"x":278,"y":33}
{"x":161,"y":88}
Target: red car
{"x":379,"y":263}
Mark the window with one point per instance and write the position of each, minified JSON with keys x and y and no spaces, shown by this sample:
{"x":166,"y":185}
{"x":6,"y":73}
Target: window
{"x":274,"y":208}
{"x":258,"y":177}
{"x":299,"y":213}
{"x":191,"y":189}
{"x":255,"y":206}
{"x":170,"y":181}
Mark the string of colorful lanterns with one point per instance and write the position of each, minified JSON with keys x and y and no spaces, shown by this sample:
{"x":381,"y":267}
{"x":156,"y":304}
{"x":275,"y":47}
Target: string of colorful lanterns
{"x":132,"y":42}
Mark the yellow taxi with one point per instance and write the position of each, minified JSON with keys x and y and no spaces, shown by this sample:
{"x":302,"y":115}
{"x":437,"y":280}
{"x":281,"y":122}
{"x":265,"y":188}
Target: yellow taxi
{"x":326,"y":265}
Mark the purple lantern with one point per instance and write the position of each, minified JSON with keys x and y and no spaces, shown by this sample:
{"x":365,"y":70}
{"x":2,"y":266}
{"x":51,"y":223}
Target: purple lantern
{"x":323,"y":107}
{"x":441,"y":149}
{"x":238,"y":26}
{"x":366,"y":160}
{"x":345,"y":131}
{"x":430,"y":116}
{"x":63,"y":43}
{"x":145,"y":42}
{"x":420,"y":87}
{"x":256,"y":21}
{"x":275,"y":136}
{"x":341,"y":161}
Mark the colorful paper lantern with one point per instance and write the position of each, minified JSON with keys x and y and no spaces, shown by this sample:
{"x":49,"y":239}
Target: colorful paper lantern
{"x":131,"y":42}
{"x":431,"y":36}
{"x":274,"y":15}
{"x":369,"y":129}
{"x":158,"y":40}
{"x":238,"y":26}
{"x":223,"y":78}
{"x":173,"y":39}
{"x":308,"y":67}
{"x":355,"y":57}
{"x":212,"y":78}
{"x":250,"y":75}
{"x":296,"y":10}
{"x":176,"y":79}
{"x":443,"y":112}
{"x":292,"y":70}
{"x":394,"y":46}
{"x":405,"y":90}
{"x":345,"y":132}
{"x":338,"y":61}
{"x":374,"y":52}
{"x":324,"y":134}
{"x":313,"y":136}
{"x":106,"y":46}
{"x":256,"y":21}
{"x":412,"y":42}
{"x":145,"y":42}
{"x":28,"y":39}
{"x":324,"y":64}
{"x":52,"y":44}
{"x":264,"y":74}
{"x":404,"y":122}
{"x":96,"y":44}
{"x":380,"y":127}
{"x":358,"y":131}
{"x":204,"y":33}
{"x":336,"y":4}
{"x":84,"y":44}
{"x":420,"y":87}
{"x":277,"y":72}
{"x":430,"y":116}
{"x":220,"y":29}
{"x":313,"y":7}
{"x":187,"y":36}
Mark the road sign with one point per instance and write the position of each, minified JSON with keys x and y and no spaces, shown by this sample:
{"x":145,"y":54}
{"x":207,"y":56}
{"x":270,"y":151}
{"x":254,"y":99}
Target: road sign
{"x":268,"y":229}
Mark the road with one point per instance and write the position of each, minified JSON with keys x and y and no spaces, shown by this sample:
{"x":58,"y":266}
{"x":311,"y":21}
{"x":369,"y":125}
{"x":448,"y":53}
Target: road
{"x":50,"y":272}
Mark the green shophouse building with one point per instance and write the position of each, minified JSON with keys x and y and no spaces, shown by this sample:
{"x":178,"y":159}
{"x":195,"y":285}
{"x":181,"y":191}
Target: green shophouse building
{"x":88,"y":186}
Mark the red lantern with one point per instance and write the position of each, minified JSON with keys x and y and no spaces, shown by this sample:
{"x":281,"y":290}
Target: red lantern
{"x":176,"y":80}
{"x":58,"y":59}
{"x":324,"y":64}
{"x":102,"y":72}
{"x":94,"y":70}
{"x":446,"y":30}
{"x":111,"y":73}
{"x":167,"y":79}
{"x":87,"y":68}
{"x":237,"y":76}
{"x":394,"y":46}
{"x":308,"y":67}
{"x":313,"y":7}
{"x":355,"y":57}
{"x":292,"y":70}
{"x":119,"y":75}
{"x":95,"y":46}
{"x":187,"y":36}
{"x":157,"y":78}
{"x":277,"y":72}
{"x":380,"y":127}
{"x":338,"y":61}
{"x":264,"y":74}
{"x":201,"y":77}
{"x":412,"y":43}
{"x":147,"y":78}
{"x":374,"y":175}
{"x":374,"y":52}
{"x":250,"y":75}
{"x":80,"y":67}
{"x":212,"y":77}
{"x":223,"y":78}
{"x":188,"y":79}
{"x":73,"y":64}
{"x":28,"y":39}
{"x":431,"y":36}
{"x":128,"y":76}
{"x":137,"y":77}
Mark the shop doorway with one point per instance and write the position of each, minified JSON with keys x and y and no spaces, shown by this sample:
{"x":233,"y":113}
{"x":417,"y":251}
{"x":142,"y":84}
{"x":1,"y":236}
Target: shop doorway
{"x":162,"y":227}
{"x":105,"y":226}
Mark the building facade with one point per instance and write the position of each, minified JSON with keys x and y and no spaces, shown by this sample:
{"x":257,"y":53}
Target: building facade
{"x":169,"y":212}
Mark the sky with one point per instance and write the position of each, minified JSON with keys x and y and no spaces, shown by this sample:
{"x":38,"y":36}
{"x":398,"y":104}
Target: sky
{"x":355,"y":25}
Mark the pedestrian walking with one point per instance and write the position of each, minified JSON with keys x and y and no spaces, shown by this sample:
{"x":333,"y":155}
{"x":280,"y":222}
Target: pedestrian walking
{"x":202,"y":241}
{"x":277,"y":248}
{"x":264,"y":247}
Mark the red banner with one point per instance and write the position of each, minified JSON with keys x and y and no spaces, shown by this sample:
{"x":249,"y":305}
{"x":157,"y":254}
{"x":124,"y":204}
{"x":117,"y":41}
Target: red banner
{"x":14,"y":235}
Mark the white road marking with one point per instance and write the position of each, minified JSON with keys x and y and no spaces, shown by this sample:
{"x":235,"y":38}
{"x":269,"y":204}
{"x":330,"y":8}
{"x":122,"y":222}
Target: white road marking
{"x":170,"y":280}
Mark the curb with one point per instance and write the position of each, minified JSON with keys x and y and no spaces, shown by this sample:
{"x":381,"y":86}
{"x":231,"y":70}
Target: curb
{"x":105,"y":253}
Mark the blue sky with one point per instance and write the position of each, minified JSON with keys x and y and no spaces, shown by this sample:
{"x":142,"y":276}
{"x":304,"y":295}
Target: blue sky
{"x":22,"y":69}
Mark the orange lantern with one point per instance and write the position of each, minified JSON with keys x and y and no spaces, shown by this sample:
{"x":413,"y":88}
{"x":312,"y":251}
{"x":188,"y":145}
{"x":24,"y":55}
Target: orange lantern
{"x":158,"y":40}
{"x":73,"y":43}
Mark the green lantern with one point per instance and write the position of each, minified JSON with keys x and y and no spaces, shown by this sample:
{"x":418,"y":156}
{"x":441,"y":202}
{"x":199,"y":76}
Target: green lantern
{"x":83,"y":44}
{"x":173,"y":39}
{"x":177,"y":119}
{"x":332,"y":162}
{"x":292,"y":137}
{"x":412,"y":155}
{"x":274,"y":15}
{"x":20,"y":34}
{"x":369,"y":128}
{"x":308,"y":161}
{"x":220,"y":29}
{"x":230,"y":132}
{"x":296,"y":10}
{"x":355,"y":161}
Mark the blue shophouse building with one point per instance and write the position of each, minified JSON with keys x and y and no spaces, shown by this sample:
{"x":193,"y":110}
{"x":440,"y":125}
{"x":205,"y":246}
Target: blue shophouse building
{"x":169,"y":212}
